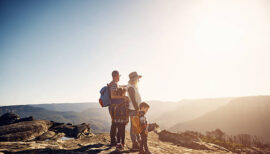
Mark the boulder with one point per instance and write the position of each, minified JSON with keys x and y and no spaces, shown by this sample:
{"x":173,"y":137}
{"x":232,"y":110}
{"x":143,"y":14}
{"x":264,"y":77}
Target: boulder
{"x":8,"y":118}
{"x":46,"y":135}
{"x":25,"y":119}
{"x":24,"y":131}
{"x":14,"y":128}
{"x":75,"y":131}
{"x":188,"y":140}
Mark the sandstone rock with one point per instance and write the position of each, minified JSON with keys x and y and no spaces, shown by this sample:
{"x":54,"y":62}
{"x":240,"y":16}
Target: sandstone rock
{"x":25,"y":119}
{"x":58,"y":136}
{"x":75,"y":131}
{"x":24,"y":131}
{"x":46,"y":135}
{"x":8,"y":118}
{"x":182,"y":139}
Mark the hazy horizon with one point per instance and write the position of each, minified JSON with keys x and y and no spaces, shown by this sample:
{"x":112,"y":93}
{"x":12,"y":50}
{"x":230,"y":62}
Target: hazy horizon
{"x":176,"y":101}
{"x":65,"y":51}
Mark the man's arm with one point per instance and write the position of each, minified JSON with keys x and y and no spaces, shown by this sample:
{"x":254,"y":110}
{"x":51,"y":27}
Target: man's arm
{"x":131,"y":93}
{"x":113,"y":89}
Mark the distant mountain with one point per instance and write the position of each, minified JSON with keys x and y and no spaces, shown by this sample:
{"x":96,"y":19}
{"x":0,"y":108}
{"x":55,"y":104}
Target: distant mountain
{"x":40,"y":113}
{"x":157,"y":108}
{"x":244,"y":115}
{"x":187,"y":110}
{"x":76,"y":107}
{"x":97,"y":117}
{"x":92,"y":113}
{"x":100,"y":117}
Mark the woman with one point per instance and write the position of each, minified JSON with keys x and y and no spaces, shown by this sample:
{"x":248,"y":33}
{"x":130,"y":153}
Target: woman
{"x":134,"y":102}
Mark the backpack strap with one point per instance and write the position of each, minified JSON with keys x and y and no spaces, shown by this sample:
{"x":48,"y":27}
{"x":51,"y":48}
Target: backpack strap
{"x":108,"y":85}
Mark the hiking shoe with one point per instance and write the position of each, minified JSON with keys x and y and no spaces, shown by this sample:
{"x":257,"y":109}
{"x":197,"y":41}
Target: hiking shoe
{"x":119,"y":146}
{"x":147,"y":152}
{"x":135,"y":146}
{"x":113,"y":144}
{"x":141,"y":152}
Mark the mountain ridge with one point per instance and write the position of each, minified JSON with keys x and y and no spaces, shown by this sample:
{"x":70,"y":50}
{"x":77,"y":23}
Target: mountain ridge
{"x":241,"y":115}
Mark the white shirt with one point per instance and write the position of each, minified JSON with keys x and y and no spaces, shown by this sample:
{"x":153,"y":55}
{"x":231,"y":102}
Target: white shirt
{"x":137,"y":97}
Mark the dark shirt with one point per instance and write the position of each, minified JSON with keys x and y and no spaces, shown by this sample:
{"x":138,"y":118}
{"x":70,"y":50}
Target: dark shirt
{"x":113,"y":86}
{"x":143,"y":120}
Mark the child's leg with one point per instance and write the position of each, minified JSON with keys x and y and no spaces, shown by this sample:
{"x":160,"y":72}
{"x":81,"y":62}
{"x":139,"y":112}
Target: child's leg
{"x":145,"y":142}
{"x":141,"y":142}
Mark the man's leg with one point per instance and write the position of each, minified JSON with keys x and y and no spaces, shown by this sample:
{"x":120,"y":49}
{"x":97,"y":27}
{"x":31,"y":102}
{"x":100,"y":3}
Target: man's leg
{"x":113,"y":133}
{"x":118,"y":127}
{"x":123,"y":133}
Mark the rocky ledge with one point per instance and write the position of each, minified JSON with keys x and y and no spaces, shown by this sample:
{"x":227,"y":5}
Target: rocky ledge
{"x":14,"y":128}
{"x":26,"y":135}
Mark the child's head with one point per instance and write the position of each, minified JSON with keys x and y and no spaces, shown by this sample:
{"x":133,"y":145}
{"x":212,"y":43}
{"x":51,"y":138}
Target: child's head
{"x":144,"y":107}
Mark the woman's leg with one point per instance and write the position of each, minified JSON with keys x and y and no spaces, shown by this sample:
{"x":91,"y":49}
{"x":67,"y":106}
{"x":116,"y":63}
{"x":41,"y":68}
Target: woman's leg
{"x":132,"y":135}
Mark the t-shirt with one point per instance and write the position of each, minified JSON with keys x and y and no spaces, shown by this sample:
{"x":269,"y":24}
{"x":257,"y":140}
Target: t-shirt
{"x":135,"y":95}
{"x":143,"y":120}
{"x":113,"y":86}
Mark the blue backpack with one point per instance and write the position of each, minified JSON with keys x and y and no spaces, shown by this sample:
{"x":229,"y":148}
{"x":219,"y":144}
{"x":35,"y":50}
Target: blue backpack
{"x":105,"y":96}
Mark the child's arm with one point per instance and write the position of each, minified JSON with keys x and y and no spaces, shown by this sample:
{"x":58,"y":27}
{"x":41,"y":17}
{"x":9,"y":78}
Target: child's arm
{"x":143,"y":122}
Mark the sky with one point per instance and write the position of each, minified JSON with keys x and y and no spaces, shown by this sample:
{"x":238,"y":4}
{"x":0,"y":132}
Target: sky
{"x":65,"y":50}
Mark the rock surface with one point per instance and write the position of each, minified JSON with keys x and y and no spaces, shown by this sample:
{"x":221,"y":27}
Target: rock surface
{"x":96,"y":144}
{"x":184,"y":139}
{"x":14,"y":128}
{"x":10,"y":118}
{"x":42,"y":136}
{"x":99,"y":143}
{"x":24,"y":131}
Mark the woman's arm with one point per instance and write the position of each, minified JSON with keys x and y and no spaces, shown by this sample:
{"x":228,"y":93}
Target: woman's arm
{"x":131,"y":93}
{"x":114,"y":96}
{"x":113,"y":90}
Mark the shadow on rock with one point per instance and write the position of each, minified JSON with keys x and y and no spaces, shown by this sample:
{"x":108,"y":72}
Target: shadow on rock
{"x":89,"y":149}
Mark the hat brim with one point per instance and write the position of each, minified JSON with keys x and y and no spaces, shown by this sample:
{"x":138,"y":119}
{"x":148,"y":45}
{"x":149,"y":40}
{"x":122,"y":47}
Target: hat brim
{"x":137,"y":77}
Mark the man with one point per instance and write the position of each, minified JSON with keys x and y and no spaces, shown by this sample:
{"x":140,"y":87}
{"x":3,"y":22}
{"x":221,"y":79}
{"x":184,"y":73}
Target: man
{"x":114,"y":97}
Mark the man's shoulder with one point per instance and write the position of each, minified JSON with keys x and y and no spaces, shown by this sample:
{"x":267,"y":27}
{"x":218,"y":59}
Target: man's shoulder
{"x":113,"y":85}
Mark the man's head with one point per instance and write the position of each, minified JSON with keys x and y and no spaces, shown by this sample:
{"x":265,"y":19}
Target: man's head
{"x":144,"y":107}
{"x":115,"y":76}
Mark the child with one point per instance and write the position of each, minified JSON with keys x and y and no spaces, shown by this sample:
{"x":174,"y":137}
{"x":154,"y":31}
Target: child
{"x":144,"y":134}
